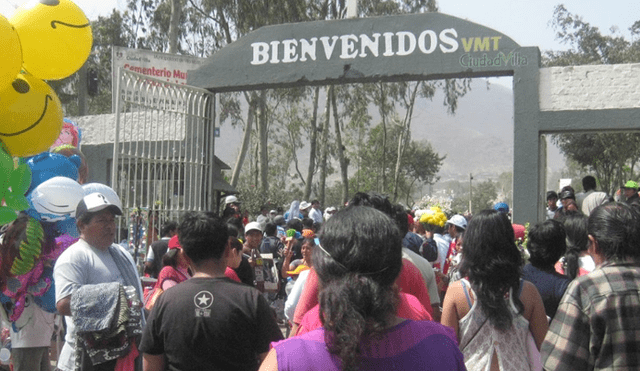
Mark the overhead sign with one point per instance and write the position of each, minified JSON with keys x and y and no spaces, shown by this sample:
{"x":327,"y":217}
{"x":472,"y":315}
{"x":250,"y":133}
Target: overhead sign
{"x":167,"y":67}
{"x":358,"y":50}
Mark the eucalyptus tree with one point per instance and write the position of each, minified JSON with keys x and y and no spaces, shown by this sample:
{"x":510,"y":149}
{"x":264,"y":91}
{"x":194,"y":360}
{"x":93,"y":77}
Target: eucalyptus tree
{"x":612,"y":157}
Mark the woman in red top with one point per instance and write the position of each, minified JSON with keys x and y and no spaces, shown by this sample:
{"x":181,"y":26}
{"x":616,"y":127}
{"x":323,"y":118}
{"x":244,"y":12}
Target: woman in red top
{"x":175,"y":266}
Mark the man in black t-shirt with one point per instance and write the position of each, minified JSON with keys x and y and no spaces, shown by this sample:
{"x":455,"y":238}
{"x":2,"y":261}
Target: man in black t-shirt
{"x":208,"y":322}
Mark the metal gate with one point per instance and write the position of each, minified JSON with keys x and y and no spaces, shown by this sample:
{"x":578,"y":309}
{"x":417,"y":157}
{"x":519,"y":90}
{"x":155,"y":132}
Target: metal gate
{"x":163,"y":154}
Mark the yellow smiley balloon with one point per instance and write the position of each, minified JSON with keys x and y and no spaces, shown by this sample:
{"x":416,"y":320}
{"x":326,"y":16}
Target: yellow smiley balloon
{"x":55,"y":35}
{"x":10,"y":54}
{"x":30,"y":116}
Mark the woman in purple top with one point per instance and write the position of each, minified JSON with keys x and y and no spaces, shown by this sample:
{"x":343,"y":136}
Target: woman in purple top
{"x":357,"y":262}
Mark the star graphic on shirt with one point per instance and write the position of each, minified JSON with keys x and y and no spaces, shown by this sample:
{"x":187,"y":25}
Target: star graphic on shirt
{"x":203,"y":299}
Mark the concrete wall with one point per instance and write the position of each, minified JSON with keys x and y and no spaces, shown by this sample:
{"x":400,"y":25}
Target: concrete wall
{"x":592,"y":87}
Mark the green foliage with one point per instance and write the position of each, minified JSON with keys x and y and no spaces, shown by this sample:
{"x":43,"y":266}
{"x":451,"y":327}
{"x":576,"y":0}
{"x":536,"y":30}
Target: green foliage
{"x":14,"y":182}
{"x":483,"y":197}
{"x":587,"y":44}
{"x":253,"y":197}
{"x":420,"y":164}
{"x":610,"y":157}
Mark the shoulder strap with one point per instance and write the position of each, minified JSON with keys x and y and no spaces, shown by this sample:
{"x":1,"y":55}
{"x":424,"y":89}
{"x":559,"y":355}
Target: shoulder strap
{"x":466,"y":291}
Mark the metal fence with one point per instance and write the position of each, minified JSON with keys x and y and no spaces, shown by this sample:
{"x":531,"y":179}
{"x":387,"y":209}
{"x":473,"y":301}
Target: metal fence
{"x":163,"y":154}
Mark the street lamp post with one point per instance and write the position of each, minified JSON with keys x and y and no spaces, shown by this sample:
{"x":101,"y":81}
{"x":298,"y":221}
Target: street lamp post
{"x":470,"y":193}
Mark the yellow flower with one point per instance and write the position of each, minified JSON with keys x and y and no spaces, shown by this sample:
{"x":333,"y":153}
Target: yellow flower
{"x":434,"y":216}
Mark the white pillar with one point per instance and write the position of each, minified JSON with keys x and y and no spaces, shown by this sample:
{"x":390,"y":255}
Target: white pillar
{"x":352,"y":8}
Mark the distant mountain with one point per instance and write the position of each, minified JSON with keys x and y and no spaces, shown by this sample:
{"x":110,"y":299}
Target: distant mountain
{"x":477,"y":139}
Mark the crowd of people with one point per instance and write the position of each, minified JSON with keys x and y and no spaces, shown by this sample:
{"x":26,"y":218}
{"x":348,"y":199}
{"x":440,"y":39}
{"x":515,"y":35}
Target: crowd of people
{"x":372,"y":286}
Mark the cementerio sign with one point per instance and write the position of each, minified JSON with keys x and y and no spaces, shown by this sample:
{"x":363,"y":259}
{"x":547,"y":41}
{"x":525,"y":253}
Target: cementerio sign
{"x":414,"y":46}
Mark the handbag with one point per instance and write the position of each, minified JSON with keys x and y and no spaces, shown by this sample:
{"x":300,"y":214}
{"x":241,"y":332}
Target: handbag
{"x":150,"y":300}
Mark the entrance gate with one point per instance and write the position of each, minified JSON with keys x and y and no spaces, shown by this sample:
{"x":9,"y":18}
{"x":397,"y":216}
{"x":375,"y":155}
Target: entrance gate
{"x":410,"y":47}
{"x":433,"y":46}
{"x":163,"y":153}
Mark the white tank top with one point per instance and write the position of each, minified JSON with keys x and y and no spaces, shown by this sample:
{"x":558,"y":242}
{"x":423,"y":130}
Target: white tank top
{"x":479,"y":339}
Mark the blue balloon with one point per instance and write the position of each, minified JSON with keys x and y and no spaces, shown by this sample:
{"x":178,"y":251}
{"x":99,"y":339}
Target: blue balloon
{"x":47,"y":301}
{"x":47,"y":165}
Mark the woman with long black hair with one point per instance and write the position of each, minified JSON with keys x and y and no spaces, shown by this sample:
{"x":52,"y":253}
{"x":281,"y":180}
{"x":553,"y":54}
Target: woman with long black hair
{"x":358,"y":261}
{"x":493,"y":311}
{"x":576,"y":261}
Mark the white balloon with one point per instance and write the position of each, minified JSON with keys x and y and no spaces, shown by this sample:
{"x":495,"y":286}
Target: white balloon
{"x":57,"y":198}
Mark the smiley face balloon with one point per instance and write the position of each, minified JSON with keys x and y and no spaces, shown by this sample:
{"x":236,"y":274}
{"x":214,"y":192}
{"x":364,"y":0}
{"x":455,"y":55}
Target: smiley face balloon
{"x":30,"y":116}
{"x":55,"y":35}
{"x":11,"y":54}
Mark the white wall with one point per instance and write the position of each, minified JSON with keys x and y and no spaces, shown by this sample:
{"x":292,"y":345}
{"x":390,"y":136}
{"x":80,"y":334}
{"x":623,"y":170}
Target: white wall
{"x":592,"y":87}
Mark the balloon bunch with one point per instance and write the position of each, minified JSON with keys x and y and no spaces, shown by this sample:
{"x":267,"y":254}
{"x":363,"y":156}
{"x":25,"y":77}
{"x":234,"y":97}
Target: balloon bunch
{"x":44,"y":40}
{"x":39,"y":235}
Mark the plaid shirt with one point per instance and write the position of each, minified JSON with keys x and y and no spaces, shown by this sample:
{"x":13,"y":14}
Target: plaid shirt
{"x":597,"y":326}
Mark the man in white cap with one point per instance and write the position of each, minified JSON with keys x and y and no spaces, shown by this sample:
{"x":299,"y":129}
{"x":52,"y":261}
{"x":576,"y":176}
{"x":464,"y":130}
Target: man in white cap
{"x":231,"y":208}
{"x":94,"y":259}
{"x":455,"y":227}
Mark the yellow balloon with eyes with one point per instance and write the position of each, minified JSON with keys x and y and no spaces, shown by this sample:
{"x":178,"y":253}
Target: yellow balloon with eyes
{"x":55,"y":36}
{"x":10,"y":54}
{"x":30,"y":116}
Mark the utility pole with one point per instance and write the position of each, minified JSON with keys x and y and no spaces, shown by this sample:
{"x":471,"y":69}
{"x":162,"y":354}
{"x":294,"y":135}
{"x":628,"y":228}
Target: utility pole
{"x":470,"y":193}
{"x":82,"y":90}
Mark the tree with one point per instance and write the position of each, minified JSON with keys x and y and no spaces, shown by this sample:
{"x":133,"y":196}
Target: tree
{"x":587,"y":45}
{"x":420,"y":166}
{"x":483,"y":196}
{"x":612,"y":157}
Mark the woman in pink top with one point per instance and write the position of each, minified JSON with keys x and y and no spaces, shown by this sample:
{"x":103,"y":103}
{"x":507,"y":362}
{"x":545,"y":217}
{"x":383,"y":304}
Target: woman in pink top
{"x":175,"y":266}
{"x":357,"y":262}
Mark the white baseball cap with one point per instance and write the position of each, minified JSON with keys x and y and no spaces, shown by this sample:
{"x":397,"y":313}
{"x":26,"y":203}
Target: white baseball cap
{"x":95,"y":202}
{"x":231,"y":200}
{"x":459,"y":221}
{"x":253,"y":226}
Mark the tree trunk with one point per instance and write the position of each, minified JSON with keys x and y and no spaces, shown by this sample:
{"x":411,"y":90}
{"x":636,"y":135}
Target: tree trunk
{"x":312,"y":145}
{"x":246,"y":138}
{"x":383,"y":113}
{"x":263,"y":143}
{"x":343,"y":161}
{"x":174,"y":23}
{"x":324,"y":142}
{"x":403,"y":138}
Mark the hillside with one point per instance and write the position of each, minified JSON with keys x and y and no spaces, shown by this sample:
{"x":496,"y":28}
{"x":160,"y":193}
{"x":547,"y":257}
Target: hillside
{"x":478,"y":139}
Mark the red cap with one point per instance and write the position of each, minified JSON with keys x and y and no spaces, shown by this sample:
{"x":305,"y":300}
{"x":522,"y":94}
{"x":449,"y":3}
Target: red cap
{"x":518,"y":231}
{"x":174,"y":243}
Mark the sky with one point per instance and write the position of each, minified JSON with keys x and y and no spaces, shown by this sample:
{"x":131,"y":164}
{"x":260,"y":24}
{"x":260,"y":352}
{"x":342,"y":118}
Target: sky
{"x":525,"y":21}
